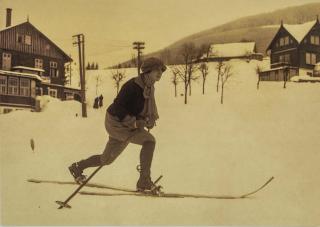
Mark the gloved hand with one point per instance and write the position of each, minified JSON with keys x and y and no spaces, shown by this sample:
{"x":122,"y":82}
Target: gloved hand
{"x":140,"y":124}
{"x":150,"y":124}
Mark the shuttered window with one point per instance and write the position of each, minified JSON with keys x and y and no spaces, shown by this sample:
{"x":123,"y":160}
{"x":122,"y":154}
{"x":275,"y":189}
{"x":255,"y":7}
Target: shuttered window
{"x":38,"y":63}
{"x":27,"y":39}
{"x":6,"y":61}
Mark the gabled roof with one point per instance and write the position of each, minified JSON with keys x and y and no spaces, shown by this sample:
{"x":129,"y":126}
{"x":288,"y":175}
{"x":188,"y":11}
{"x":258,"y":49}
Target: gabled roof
{"x":297,"y":31}
{"x":232,"y":49}
{"x":45,"y":37}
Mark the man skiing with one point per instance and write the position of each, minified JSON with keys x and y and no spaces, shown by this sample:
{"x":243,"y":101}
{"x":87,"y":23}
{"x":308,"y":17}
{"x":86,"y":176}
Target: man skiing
{"x":133,"y":110}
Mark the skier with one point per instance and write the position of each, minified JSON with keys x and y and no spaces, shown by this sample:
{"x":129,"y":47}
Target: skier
{"x":132,"y":110}
{"x":100,"y":101}
{"x":96,"y":103}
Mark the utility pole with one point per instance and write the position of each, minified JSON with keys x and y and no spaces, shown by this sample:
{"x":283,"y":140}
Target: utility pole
{"x":70,"y":70}
{"x":138,"y":46}
{"x":80,"y":43}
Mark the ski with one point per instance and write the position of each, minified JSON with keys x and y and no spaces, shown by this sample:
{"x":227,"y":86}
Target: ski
{"x":130,"y":192}
{"x":177,"y":195}
{"x":90,"y":185}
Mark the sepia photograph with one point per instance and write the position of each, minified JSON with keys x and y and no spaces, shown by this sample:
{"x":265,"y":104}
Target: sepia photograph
{"x":159,"y":112}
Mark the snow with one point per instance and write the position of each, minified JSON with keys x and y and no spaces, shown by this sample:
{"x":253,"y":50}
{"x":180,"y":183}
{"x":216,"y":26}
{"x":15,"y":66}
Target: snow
{"x":202,"y":147}
{"x":232,"y":49}
{"x":28,"y":68}
{"x":305,"y":78}
{"x":28,"y":75}
{"x":299,"y":31}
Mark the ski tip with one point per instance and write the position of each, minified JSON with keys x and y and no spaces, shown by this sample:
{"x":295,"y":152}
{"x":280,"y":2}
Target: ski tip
{"x":62,"y":205}
{"x":271,"y":178}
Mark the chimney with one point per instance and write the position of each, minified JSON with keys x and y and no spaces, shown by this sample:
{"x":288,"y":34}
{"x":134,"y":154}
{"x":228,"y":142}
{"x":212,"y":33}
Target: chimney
{"x":8,"y":21}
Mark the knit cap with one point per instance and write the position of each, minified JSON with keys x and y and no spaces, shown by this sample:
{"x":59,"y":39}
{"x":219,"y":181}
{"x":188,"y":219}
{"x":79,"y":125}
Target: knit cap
{"x":152,"y":63}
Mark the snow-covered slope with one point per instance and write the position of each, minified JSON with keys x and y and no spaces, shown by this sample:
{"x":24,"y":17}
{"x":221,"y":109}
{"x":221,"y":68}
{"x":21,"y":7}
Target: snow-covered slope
{"x":202,"y":147}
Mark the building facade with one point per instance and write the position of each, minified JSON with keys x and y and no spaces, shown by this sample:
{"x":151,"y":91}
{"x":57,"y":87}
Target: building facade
{"x":30,"y":65}
{"x":228,"y":51}
{"x":296,"y":47}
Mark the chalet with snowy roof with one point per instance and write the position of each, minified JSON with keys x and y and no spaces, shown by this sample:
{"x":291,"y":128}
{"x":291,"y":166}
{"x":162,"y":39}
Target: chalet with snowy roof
{"x":295,"y":50}
{"x":30,"y":65}
{"x":228,"y":51}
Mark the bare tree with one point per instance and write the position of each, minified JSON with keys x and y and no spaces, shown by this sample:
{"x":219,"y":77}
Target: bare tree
{"x":204,"y":72}
{"x":182,"y":72}
{"x":175,"y":79}
{"x":258,"y":70}
{"x":98,"y":82}
{"x":204,"y":69}
{"x":118,"y":76}
{"x":189,"y":55}
{"x":133,"y":62}
{"x":219,"y":69}
{"x":192,"y":68}
{"x":226,"y":74}
{"x":285,"y":76}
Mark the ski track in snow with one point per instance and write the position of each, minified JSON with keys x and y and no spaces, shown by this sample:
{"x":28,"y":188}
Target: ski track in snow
{"x":202,"y":147}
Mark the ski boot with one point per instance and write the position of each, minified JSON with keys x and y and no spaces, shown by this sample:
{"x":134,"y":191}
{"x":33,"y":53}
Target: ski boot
{"x":145,"y":185}
{"x":77,"y":173}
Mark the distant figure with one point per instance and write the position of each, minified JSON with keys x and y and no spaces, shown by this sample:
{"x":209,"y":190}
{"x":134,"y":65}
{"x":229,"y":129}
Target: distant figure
{"x":96,"y":103}
{"x":100,"y":101}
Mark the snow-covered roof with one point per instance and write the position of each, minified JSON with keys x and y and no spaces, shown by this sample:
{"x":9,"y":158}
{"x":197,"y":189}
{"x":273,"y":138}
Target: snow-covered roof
{"x":28,"y":68}
{"x":299,"y":31}
{"x":9,"y":27}
{"x":27,"y":75}
{"x":232,"y":49}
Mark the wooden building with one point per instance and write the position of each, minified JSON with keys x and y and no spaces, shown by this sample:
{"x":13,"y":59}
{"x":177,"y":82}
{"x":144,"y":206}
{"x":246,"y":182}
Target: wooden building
{"x":228,"y":51}
{"x":294,"y":48}
{"x":30,"y":65}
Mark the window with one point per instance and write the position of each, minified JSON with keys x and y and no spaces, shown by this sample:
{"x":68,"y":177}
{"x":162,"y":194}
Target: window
{"x":284,"y":58}
{"x":38,"y":63}
{"x":3,"y":85}
{"x":314,"y":40}
{"x":27,"y":39}
{"x":6,"y":61}
{"x":286,"y":40}
{"x":24,"y":87}
{"x":311,"y":58}
{"x":54,"y":69}
{"x":52,"y":92}
{"x":13,"y":85}
{"x":281,"y":42}
{"x":20,"y":38}
{"x":23,"y":39}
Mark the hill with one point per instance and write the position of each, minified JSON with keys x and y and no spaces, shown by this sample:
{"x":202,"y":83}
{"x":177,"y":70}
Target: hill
{"x":260,"y":28}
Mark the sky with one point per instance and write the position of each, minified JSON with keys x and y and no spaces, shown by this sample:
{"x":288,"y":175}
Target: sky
{"x":111,"y":26}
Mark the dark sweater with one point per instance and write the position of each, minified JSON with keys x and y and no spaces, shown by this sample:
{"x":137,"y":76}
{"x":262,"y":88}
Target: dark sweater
{"x":130,"y":101}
